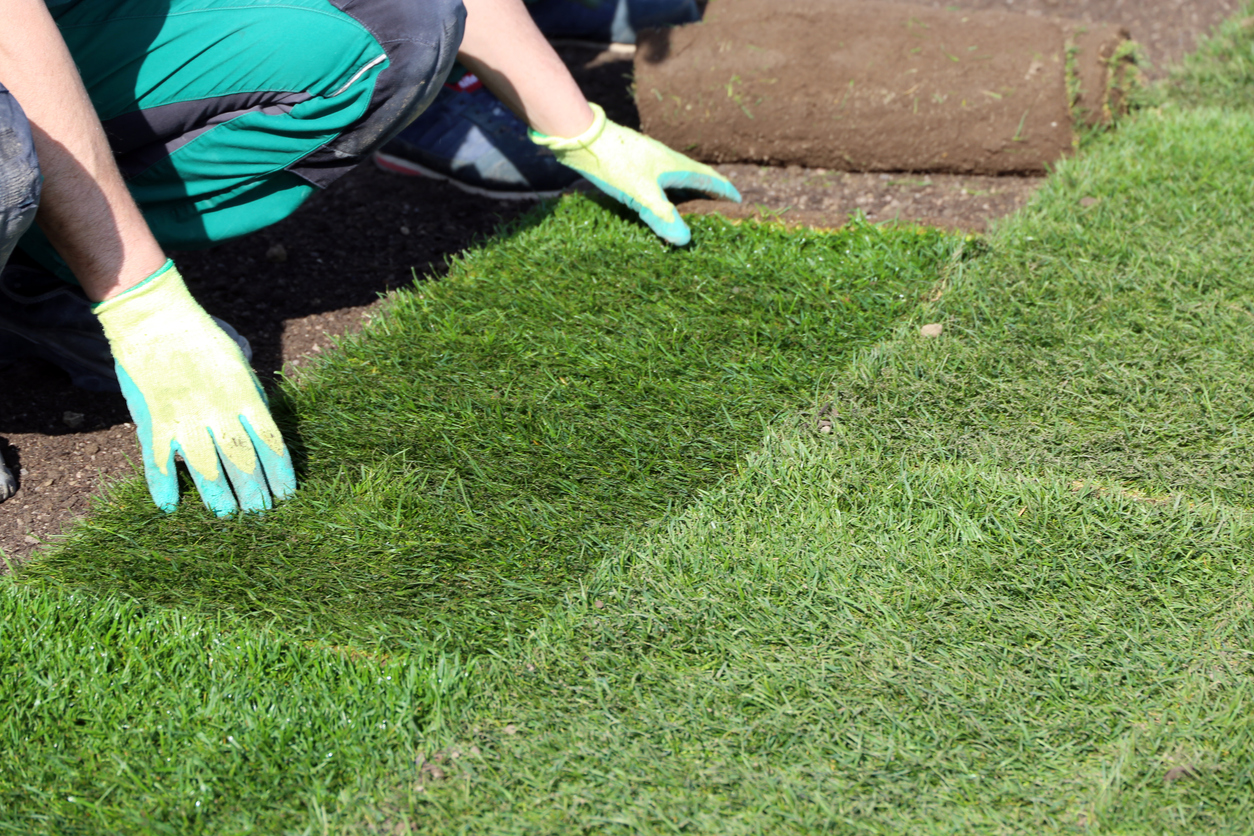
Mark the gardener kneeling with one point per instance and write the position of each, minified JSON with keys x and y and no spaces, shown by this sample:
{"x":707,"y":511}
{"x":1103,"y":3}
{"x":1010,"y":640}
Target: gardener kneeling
{"x":196,"y":121}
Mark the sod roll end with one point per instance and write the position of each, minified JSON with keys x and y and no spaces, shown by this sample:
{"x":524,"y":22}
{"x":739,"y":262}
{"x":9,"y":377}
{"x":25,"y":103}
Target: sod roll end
{"x":1102,"y":73}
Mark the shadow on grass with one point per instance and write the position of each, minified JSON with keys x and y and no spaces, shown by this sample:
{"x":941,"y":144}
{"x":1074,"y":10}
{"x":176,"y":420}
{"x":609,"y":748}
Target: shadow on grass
{"x":490,"y":437}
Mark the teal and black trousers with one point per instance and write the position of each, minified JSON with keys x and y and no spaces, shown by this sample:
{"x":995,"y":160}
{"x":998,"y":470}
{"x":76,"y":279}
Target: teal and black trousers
{"x":224,"y":115}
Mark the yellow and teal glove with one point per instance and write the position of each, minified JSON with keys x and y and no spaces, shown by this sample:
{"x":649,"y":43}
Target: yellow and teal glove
{"x":190,"y":390}
{"x":634,"y":169}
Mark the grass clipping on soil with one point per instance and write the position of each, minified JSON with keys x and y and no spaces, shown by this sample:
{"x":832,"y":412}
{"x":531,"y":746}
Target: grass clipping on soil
{"x":863,"y":86}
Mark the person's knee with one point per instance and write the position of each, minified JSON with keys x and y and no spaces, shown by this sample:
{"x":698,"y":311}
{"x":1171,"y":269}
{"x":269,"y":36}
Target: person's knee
{"x":424,"y":69}
{"x":19,"y":174}
{"x":420,"y":38}
{"x":421,"y":41}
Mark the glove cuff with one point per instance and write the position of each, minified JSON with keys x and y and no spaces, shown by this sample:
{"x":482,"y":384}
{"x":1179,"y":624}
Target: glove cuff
{"x":162,"y":295}
{"x":558,"y":144}
{"x":144,"y":288}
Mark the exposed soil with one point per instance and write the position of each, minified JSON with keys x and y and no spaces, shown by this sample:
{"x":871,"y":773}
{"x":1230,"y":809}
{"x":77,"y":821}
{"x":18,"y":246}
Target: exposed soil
{"x":872,"y":86}
{"x":371,"y":232}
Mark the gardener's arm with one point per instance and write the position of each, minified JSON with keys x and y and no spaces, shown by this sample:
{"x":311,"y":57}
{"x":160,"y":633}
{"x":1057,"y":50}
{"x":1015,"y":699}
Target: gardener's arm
{"x":188,"y":386}
{"x":505,"y":49}
{"x":85,"y":210}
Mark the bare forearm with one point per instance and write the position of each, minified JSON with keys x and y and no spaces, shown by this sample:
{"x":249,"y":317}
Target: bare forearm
{"x":505,"y":49}
{"x":85,"y":211}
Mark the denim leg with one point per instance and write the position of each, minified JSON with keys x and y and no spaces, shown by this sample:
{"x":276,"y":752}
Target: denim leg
{"x":19,"y":198}
{"x":19,"y":175}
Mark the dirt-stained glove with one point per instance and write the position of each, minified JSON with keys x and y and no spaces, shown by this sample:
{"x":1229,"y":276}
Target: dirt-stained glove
{"x":634,"y":169}
{"x":190,"y":390}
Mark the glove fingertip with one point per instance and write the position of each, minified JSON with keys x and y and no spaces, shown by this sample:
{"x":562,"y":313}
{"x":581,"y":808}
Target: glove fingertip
{"x":673,"y":232}
{"x":221,"y":502}
{"x":283,"y":480}
{"x":251,"y":492}
{"x":215,"y":493}
{"x":711,"y":183}
{"x":280,"y":474}
{"x":164,"y":493}
{"x":162,"y":487}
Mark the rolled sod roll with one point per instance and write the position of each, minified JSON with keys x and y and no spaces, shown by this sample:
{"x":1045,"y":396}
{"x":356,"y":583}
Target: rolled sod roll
{"x":862,"y":86}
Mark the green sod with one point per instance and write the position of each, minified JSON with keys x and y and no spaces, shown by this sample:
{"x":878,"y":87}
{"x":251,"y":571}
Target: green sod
{"x":121,"y":718}
{"x":497,"y":431}
{"x":1008,"y":592}
{"x":846,"y":640}
{"x":468,"y":460}
{"x":1221,"y":72}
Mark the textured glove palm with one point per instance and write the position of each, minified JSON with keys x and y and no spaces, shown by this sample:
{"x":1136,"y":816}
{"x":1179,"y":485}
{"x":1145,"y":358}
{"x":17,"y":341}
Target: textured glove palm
{"x":634,"y":169}
{"x":190,"y":390}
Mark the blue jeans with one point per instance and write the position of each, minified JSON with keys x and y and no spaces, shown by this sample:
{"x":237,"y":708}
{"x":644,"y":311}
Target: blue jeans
{"x":19,"y":175}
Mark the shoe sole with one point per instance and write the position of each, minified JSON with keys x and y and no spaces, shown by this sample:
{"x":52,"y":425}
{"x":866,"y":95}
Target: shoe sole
{"x":409,"y":168}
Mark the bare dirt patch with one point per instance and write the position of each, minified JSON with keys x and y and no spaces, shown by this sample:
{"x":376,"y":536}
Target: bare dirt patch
{"x":349,"y":244}
{"x":864,"y":86}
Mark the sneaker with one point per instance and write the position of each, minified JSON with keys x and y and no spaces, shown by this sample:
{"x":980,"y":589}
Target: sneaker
{"x":607,"y":21}
{"x":43,"y":316}
{"x":468,"y":138}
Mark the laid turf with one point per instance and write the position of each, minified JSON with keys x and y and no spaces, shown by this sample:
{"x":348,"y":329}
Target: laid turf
{"x":489,"y":439}
{"x":1221,"y":72}
{"x":849,"y":640}
{"x":495,"y":432}
{"x":122,"y":718}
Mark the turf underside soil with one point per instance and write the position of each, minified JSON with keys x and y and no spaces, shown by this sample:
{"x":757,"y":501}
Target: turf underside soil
{"x":598,"y":537}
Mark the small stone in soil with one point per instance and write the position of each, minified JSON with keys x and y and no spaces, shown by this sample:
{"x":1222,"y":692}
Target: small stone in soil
{"x":276,"y":254}
{"x":73,"y":420}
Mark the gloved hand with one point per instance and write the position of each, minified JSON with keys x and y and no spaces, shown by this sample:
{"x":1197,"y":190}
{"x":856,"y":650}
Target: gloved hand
{"x":190,"y":389}
{"x":634,"y":169}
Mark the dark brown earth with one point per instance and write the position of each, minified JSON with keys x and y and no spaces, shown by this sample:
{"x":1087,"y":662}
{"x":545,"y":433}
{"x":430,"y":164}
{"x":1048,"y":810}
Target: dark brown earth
{"x":372,"y":232}
{"x":870,"y":86}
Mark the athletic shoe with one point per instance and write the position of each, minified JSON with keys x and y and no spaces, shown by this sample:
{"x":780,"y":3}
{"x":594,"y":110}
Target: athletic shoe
{"x":470,"y":139}
{"x":42,"y":316}
{"x":607,"y":21}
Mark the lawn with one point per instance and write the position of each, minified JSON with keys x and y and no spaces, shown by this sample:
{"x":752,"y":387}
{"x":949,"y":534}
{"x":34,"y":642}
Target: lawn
{"x":594,"y":536}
